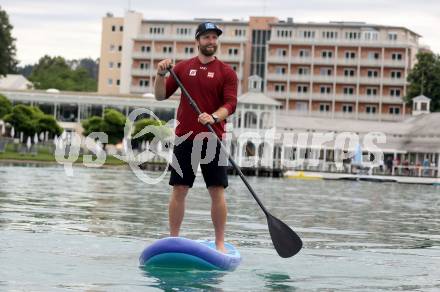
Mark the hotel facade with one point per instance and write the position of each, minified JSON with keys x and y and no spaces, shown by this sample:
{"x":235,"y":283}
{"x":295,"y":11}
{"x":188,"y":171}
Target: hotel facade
{"x":339,"y":69}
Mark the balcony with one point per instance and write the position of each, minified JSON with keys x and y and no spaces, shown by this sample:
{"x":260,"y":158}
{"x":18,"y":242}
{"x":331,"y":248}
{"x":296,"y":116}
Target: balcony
{"x":140,"y":89}
{"x":394,"y":81}
{"x":278,"y":59}
{"x":232,"y":39}
{"x":322,"y":96}
{"x":277,"y":77}
{"x":165,"y":37}
{"x":371,"y":62}
{"x":345,"y":97}
{"x":279,"y":94}
{"x":394,"y":63}
{"x":301,"y":60}
{"x":323,"y":78}
{"x":392,"y":99}
{"x":230,"y":58}
{"x":324,"y":61}
{"x":347,"y":62}
{"x":370,"y":80}
{"x":346,"y":79}
{"x":300,"y":77}
{"x":143,"y":72}
{"x":338,"y":42}
{"x":369,"y":98}
{"x":142,"y":55}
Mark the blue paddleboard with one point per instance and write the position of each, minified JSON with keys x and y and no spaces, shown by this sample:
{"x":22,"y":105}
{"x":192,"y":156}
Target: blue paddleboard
{"x":184,"y":253}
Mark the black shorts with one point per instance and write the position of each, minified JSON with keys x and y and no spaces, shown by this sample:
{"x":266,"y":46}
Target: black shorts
{"x":189,"y":155}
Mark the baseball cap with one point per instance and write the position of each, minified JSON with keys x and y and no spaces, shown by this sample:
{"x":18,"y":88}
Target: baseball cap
{"x":207,"y":26}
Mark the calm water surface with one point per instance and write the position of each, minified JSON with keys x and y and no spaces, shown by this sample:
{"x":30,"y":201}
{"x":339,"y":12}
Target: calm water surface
{"x":85,"y":233}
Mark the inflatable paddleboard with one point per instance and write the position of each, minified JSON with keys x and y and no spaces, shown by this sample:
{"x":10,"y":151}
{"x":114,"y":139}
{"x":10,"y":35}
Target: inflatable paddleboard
{"x":184,"y":253}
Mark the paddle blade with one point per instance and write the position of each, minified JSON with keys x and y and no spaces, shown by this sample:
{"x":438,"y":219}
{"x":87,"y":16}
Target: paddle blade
{"x":286,"y":242}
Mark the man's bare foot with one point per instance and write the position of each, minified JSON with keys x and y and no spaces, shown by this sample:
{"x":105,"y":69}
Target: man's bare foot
{"x":221,"y":249}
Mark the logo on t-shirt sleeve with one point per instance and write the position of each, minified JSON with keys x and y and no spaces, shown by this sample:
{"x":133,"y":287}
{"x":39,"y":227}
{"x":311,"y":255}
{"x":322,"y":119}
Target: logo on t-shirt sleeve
{"x":192,"y":72}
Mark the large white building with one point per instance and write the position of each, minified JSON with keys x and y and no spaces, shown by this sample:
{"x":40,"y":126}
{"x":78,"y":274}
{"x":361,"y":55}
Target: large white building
{"x":338,"y":69}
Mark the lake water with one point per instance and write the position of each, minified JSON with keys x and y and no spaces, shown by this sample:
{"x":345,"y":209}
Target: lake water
{"x":85,"y":233}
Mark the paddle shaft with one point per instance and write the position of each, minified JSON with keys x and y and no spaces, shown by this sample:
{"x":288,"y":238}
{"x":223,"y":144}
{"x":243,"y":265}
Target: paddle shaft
{"x":222,"y":146}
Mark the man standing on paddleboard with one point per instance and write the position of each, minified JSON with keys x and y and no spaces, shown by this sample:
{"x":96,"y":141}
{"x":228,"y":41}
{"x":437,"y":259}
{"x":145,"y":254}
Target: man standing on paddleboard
{"x":213,"y":86}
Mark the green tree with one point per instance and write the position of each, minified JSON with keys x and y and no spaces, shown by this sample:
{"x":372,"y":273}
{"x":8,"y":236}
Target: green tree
{"x":5,"y":106}
{"x":47,"y":123}
{"x":54,"y":72}
{"x":425,"y":77}
{"x":92,"y":124}
{"x":113,"y":125}
{"x":8,"y":63}
{"x":157,"y":129}
{"x":24,"y":119}
{"x":31,"y":120}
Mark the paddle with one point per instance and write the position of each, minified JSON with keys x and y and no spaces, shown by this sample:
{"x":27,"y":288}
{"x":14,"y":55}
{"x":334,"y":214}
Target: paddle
{"x":286,"y":242}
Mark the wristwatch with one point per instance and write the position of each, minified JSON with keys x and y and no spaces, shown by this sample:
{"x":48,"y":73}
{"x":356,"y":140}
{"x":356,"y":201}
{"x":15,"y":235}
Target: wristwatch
{"x":162,"y":73}
{"x":216,"y":118}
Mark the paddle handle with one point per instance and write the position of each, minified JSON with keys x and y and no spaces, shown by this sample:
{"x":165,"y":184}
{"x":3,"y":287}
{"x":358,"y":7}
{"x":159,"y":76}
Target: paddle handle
{"x":222,"y":146}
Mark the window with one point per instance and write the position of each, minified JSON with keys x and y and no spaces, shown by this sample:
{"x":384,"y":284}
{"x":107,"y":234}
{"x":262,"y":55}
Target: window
{"x":145,"y":49}
{"x":145,"y":66}
{"x":281,"y":52}
{"x":327,"y":54}
{"x":167,"y":49}
{"x":119,"y":64}
{"x":396,"y":56}
{"x":113,"y":27}
{"x":324,"y":107}
{"x":392,"y":36}
{"x":326,"y":71}
{"x":121,"y":28}
{"x":183,"y":31}
{"x":348,"y":90}
{"x":279,"y":87}
{"x":347,"y":108}
{"x":112,"y":47}
{"x":144,"y":83}
{"x":352,"y":35}
{"x":233,"y":51}
{"x":304,"y":53}
{"x":349,"y":72}
{"x":280,"y":70}
{"x":189,"y":50}
{"x":373,"y":55}
{"x":370,"y":35}
{"x":283,"y":33}
{"x":329,"y":34}
{"x":119,"y":48}
{"x":371,"y":109}
{"x":302,"y":88}
{"x":118,"y":82}
{"x":157,"y":30}
{"x":303,"y":70}
{"x":372,"y":91}
{"x":308,"y":34}
{"x":373,"y":73}
{"x":109,"y":81}
{"x":394,"y":110}
{"x":325,"y":89}
{"x":396,"y":74}
{"x":395,"y":92}
{"x":350,"y":55}
{"x":240,"y":32}
{"x":110,"y":65}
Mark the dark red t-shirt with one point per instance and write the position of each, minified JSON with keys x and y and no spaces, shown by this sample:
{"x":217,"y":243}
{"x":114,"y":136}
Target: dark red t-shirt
{"x":212,"y":85}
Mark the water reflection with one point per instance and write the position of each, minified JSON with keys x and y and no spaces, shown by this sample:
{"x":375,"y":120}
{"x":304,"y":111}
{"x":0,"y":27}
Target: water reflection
{"x":277,"y":282}
{"x":185,"y":280}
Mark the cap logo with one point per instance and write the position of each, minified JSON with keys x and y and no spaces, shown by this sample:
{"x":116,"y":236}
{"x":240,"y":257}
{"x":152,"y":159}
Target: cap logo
{"x":209,"y":26}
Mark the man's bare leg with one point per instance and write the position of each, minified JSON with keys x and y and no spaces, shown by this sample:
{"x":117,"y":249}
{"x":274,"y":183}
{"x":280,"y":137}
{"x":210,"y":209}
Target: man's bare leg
{"x":176,"y":208}
{"x":218,"y":215}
